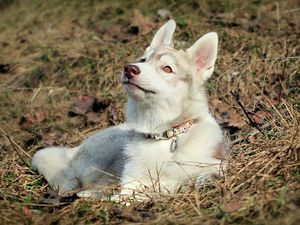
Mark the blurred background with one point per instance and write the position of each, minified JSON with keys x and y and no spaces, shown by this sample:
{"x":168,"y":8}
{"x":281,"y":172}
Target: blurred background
{"x":60,"y":63}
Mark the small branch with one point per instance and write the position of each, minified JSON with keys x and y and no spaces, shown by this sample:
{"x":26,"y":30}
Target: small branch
{"x":251,"y":122}
{"x":14,"y":145}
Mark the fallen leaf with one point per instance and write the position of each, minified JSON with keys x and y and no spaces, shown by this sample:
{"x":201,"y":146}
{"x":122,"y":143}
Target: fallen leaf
{"x":139,"y":23}
{"x":81,"y":105}
{"x":28,"y":120}
{"x":84,"y":104}
{"x":54,"y":138}
{"x":116,"y":32}
{"x":124,"y":31}
{"x":262,"y":117}
{"x":226,"y":116}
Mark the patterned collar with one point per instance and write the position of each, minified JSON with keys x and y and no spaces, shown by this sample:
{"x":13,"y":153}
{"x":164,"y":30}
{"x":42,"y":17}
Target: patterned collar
{"x":173,"y":133}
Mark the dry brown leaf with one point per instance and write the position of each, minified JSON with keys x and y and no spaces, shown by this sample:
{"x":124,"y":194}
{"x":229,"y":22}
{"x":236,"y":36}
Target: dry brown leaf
{"x":81,"y":105}
{"x":140,"y":22}
{"x":116,"y":32}
{"x":261,"y":117}
{"x":85,"y":104}
{"x":226,"y":115}
{"x":27,"y":120}
{"x":54,"y":138}
{"x":124,"y":31}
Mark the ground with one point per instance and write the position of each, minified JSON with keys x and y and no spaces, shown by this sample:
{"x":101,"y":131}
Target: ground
{"x":60,"y":63}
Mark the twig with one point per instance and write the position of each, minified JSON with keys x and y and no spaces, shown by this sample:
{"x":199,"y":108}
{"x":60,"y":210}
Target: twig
{"x":280,"y":76}
{"x":106,"y":173}
{"x":14,"y":144}
{"x":278,"y":15}
{"x":251,"y":122}
{"x":195,"y":207}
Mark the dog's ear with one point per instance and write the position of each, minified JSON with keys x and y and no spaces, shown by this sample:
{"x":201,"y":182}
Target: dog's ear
{"x":203,"y":55}
{"x":164,"y":35}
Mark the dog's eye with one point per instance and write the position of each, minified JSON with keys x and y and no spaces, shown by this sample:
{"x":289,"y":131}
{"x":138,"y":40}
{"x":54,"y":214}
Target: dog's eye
{"x":142,"y":60}
{"x":167,"y":69}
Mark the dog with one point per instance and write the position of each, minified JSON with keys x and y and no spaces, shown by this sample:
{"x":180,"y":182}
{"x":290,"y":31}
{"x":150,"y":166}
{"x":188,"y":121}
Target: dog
{"x":169,"y":136}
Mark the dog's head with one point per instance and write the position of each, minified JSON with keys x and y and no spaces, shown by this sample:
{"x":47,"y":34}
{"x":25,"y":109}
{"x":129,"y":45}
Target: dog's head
{"x":164,"y":80}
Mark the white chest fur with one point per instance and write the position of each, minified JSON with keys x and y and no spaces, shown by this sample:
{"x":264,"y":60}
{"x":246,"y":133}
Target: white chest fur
{"x":151,"y":164}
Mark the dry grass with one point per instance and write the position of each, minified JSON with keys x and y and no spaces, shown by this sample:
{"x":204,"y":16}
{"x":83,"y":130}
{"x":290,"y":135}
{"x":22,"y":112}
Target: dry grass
{"x":57,"y":51}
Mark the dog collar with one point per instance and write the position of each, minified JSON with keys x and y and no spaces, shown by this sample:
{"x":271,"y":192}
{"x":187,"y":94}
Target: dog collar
{"x":173,"y":133}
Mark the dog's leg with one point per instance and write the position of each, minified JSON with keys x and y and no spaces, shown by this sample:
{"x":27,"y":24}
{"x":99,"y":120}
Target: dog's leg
{"x":54,"y":164}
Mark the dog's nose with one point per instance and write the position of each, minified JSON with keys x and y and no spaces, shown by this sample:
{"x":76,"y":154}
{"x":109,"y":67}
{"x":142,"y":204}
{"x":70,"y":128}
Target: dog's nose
{"x":131,"y":70}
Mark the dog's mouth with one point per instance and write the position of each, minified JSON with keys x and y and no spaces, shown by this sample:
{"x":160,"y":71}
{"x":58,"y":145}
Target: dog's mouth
{"x":139,"y":87}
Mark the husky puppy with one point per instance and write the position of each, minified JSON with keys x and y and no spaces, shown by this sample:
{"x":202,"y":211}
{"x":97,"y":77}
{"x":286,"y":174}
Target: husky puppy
{"x":169,"y":136}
